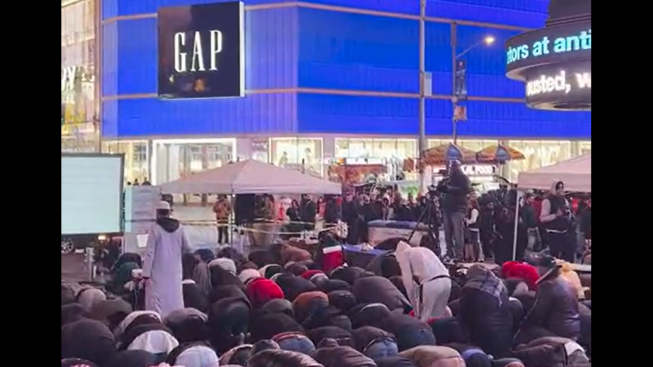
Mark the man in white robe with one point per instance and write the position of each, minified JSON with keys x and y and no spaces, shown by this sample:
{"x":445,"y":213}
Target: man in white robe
{"x":162,"y":268}
{"x":426,"y":279}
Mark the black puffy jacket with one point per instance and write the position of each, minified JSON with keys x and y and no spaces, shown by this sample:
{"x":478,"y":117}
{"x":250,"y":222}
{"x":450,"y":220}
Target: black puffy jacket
{"x":556,"y":308}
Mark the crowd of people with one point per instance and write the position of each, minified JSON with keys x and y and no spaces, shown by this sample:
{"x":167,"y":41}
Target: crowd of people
{"x":282,"y":306}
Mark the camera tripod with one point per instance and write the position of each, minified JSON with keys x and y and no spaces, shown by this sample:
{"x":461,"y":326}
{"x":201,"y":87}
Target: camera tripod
{"x":432,"y":242}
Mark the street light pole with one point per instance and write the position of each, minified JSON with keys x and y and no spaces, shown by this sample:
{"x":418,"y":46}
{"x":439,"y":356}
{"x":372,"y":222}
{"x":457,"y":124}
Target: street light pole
{"x":421,"y":144}
{"x":454,"y":99}
{"x":458,"y":64}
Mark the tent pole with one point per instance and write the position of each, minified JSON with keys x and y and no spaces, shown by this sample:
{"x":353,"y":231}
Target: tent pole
{"x":514,"y":239}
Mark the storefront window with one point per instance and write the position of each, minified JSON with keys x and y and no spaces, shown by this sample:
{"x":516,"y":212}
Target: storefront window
{"x":376,"y":148}
{"x":476,"y":145}
{"x":391,"y":152}
{"x":136,"y":158}
{"x":432,"y":143}
{"x":538,"y":154}
{"x":79,"y":127}
{"x":260,"y":149}
{"x":585,"y":147}
{"x":173,"y":159}
{"x":303,"y":154}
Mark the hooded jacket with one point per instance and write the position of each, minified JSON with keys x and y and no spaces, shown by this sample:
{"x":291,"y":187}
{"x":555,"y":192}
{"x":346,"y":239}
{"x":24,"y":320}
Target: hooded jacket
{"x":188,"y":325}
{"x":87,"y":339}
{"x":229,"y":319}
{"x":484,"y":313}
{"x":293,"y":286}
{"x":377,"y":289}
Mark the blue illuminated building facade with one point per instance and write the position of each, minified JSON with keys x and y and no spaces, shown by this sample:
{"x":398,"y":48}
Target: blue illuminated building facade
{"x":328,"y":79}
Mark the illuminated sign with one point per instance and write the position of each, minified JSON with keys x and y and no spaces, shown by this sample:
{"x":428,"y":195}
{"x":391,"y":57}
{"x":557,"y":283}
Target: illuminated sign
{"x":201,"y":51}
{"x":560,"y":87}
{"x":563,"y":44}
{"x":561,"y":82}
{"x":545,"y":46}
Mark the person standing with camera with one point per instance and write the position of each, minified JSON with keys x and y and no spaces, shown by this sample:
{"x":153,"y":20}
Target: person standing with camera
{"x":558,"y":223}
{"x":454,"y":209}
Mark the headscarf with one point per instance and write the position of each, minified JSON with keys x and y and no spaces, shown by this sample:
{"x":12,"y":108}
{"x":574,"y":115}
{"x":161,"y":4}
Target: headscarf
{"x":225,"y":263}
{"x":133,"y":358}
{"x":88,"y":297}
{"x":248,"y":274}
{"x":220,"y":276}
{"x":481,"y":278}
{"x":197,"y":356}
{"x":127,"y":321}
{"x":88,"y":339}
{"x":156,"y":339}
{"x":123,"y":274}
{"x":269,"y":270}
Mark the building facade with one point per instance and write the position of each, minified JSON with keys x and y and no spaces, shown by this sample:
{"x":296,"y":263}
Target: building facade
{"x":79,"y":96}
{"x":327,"y":79}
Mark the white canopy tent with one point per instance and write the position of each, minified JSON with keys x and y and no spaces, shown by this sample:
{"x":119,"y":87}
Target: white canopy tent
{"x":576,"y":173}
{"x":250,"y":177}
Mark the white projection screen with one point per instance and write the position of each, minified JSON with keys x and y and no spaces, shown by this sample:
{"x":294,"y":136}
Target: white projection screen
{"x":91,"y":193}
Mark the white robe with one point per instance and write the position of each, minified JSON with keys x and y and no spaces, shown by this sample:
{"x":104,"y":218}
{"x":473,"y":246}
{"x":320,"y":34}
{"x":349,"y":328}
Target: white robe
{"x":423,"y":264}
{"x":162,"y":264}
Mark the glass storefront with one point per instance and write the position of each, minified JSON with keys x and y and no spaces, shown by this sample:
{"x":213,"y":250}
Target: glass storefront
{"x":538,"y":153}
{"x":172,"y":159}
{"x":585,"y":147}
{"x":136,"y":158}
{"x":391,"y":152}
{"x":79,"y":123}
{"x":303,"y":154}
{"x":376,"y":148}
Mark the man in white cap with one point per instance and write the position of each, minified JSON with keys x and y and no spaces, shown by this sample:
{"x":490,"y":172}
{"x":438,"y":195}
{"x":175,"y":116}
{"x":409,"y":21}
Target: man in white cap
{"x":166,"y":243}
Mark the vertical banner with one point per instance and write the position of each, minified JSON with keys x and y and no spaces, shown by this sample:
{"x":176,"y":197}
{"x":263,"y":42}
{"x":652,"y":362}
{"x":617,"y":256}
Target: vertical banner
{"x":460,"y":84}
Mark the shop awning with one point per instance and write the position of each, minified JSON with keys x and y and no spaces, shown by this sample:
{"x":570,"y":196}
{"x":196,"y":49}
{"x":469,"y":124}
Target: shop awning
{"x":251,"y":177}
{"x":499,"y":153}
{"x":442,"y":154}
